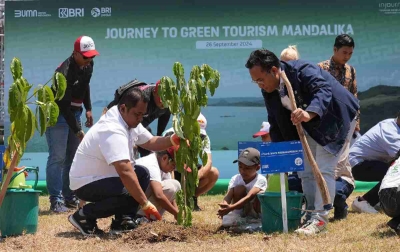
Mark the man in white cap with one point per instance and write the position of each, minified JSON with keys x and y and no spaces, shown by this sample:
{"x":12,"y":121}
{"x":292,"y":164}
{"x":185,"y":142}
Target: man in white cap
{"x":64,"y":137}
{"x":208,"y":175}
{"x":264,"y":132}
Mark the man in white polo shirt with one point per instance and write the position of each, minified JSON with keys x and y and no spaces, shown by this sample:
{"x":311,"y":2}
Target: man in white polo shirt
{"x":103,"y":171}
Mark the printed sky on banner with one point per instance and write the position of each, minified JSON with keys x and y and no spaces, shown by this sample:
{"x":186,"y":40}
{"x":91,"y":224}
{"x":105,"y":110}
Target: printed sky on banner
{"x":135,"y":40}
{"x":143,"y":39}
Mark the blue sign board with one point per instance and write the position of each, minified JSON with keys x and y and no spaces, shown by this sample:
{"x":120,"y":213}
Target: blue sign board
{"x":277,"y":157}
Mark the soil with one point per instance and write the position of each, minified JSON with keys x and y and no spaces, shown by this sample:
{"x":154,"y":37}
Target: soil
{"x":163,"y":231}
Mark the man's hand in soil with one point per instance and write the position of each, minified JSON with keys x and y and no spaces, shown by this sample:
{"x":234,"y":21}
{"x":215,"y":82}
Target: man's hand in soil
{"x":150,"y":210}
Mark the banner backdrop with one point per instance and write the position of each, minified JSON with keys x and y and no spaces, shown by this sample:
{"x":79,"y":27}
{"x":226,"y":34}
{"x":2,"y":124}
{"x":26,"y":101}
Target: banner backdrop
{"x":143,"y":39}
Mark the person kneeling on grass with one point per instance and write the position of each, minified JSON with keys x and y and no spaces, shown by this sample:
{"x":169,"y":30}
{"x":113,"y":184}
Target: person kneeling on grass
{"x":104,"y":171}
{"x":162,"y":189}
{"x":241,"y":198}
{"x":389,"y":195}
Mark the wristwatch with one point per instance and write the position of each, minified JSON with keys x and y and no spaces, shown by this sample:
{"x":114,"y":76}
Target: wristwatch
{"x":80,"y":134}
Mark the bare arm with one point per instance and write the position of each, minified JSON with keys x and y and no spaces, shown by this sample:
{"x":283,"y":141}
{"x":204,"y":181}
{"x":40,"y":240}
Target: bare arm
{"x":130,"y":180}
{"x":158,"y":193}
{"x":228,"y":197}
{"x":157,"y":143}
{"x":240,"y":204}
{"x":205,"y":169}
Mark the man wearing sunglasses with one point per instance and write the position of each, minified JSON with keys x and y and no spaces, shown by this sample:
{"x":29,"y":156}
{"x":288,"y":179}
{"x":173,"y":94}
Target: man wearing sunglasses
{"x":64,"y":137}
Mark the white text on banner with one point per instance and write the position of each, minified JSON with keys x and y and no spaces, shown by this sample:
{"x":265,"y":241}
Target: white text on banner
{"x":229,"y":44}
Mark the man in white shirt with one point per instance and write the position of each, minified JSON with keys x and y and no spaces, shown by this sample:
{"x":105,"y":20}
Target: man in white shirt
{"x":103,"y":171}
{"x":163,"y":188}
{"x":208,"y":175}
{"x":389,"y":195}
{"x":370,"y":158}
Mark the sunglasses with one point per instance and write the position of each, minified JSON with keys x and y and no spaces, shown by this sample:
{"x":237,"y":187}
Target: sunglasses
{"x":86,"y":58}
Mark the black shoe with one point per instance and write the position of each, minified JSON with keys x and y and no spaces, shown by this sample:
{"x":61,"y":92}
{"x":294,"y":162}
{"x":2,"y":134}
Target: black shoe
{"x":73,"y":203}
{"x":196,"y":207}
{"x":58,"y":207}
{"x":340,"y":214}
{"x":84,"y":225}
{"x":395,"y":225}
{"x":122,"y":225}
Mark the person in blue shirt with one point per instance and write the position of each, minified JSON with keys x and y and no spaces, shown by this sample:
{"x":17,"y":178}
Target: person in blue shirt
{"x":326,"y":111}
{"x":370,"y":158}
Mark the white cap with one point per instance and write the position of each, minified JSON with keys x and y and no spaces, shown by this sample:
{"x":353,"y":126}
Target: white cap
{"x":203,"y":124}
{"x":264,"y":130}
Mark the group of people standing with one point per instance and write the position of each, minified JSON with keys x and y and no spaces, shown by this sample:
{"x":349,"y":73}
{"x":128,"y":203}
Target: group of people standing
{"x":101,"y":167}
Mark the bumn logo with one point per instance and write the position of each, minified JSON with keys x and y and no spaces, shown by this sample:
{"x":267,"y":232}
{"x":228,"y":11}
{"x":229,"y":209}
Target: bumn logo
{"x":88,"y":46}
{"x":25,"y":13}
{"x":101,"y":12}
{"x":70,"y":12}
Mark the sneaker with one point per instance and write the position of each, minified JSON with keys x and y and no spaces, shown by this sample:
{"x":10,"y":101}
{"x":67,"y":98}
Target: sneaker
{"x":58,"y":207}
{"x":73,"y":203}
{"x":395,"y":225}
{"x":362,"y":206}
{"x":196,"y":207}
{"x":340,"y":214}
{"x":84,"y":225}
{"x":312,"y":227}
{"x":125,"y":224}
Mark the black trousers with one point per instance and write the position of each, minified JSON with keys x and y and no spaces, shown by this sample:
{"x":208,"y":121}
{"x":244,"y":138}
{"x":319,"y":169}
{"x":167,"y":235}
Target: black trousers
{"x":109,"y":196}
{"x":371,"y":171}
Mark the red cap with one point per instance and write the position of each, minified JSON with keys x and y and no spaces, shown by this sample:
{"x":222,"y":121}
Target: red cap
{"x":85,"y":46}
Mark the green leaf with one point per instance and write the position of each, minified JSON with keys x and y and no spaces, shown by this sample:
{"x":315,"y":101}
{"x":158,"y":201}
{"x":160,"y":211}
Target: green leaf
{"x":16,"y":68}
{"x":30,"y":125}
{"x":204,"y":158}
{"x":14,"y":100}
{"x":61,"y":85}
{"x":195,"y":73}
{"x":52,"y":112}
{"x":20,"y":123}
{"x":41,"y":95}
{"x":177,"y":128}
{"x":42,"y":118}
{"x":49,"y":94}
{"x":207,"y":71}
{"x":178,"y":69}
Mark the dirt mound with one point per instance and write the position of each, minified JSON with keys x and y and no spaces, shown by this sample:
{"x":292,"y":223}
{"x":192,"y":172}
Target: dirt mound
{"x":163,"y":231}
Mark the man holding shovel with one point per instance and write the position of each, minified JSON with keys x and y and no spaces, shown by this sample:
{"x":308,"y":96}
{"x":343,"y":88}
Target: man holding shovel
{"x":326,"y":111}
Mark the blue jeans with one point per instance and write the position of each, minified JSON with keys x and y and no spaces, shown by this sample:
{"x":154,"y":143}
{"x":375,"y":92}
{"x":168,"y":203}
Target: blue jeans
{"x":62,"y":143}
{"x":343,"y":191}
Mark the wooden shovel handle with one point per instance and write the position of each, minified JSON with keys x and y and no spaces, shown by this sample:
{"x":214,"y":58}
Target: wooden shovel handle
{"x":314,"y":167}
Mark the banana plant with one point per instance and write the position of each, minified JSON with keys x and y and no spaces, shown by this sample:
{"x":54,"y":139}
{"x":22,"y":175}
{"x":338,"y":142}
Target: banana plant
{"x":184,"y":100}
{"x":23,"y":120}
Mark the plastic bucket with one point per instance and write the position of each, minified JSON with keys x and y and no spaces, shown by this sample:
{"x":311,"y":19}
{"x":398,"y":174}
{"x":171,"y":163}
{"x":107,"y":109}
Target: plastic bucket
{"x":20,"y":210}
{"x":274,"y":183}
{"x":271,"y":210}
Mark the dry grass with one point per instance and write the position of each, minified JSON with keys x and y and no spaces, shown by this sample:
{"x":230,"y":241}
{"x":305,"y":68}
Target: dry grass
{"x":360,"y":232}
